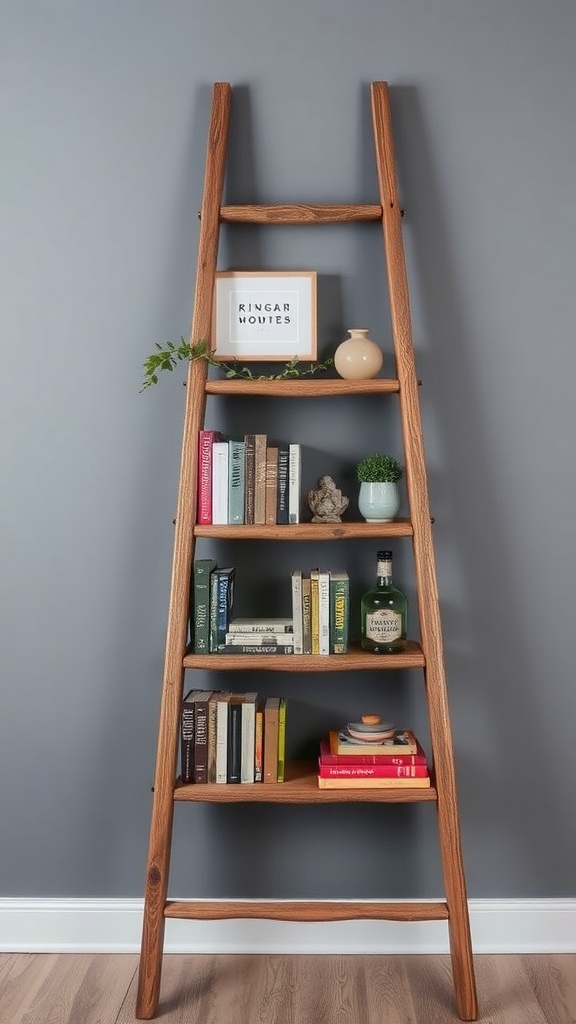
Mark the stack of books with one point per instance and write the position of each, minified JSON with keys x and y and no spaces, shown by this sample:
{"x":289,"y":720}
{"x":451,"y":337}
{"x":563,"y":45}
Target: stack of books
{"x":320,"y":611}
{"x":258,"y":636}
{"x":248,"y":481}
{"x":345,"y":763}
{"x":228,"y":737}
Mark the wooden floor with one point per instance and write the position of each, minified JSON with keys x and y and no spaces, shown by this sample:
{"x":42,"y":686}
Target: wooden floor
{"x":57,"y":988}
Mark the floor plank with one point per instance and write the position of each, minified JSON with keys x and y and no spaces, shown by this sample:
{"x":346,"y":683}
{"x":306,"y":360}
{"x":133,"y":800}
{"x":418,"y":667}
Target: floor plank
{"x":52,"y":988}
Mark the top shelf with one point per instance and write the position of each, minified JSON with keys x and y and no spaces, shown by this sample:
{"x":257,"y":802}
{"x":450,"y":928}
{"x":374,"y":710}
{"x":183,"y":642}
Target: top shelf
{"x":312,"y":388}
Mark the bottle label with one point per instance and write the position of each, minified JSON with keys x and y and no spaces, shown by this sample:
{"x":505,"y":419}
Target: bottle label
{"x":384,"y":626}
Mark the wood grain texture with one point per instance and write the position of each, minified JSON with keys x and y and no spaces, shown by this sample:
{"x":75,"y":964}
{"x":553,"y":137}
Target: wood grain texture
{"x":300,"y":213}
{"x":424,"y":562}
{"x":316,"y":532}
{"x":70,"y":988}
{"x":355,"y":660}
{"x":301,"y":784}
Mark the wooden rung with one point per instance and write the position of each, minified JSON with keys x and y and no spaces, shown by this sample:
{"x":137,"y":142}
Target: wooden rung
{"x":300,"y":213}
{"x":289,"y":910}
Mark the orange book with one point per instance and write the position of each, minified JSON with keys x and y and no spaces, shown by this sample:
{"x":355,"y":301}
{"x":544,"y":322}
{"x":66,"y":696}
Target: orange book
{"x":271,"y":716}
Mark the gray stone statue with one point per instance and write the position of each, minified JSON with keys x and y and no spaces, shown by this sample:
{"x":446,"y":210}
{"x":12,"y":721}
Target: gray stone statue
{"x":327,"y":503}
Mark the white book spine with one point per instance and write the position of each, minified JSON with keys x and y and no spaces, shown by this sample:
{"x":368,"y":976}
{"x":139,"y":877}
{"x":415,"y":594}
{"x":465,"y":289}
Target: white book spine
{"x":297,"y":611}
{"x":222,"y":741}
{"x":324,"y":610}
{"x":220,"y":483}
{"x":248,"y":739}
{"x":259,"y":639}
{"x":294,"y":473}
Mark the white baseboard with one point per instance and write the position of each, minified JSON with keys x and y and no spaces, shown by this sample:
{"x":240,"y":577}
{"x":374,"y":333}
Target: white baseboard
{"x":113,"y":926}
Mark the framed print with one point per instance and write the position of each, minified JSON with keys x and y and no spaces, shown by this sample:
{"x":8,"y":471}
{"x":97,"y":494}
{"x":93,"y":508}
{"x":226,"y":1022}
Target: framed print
{"x":264,"y":315}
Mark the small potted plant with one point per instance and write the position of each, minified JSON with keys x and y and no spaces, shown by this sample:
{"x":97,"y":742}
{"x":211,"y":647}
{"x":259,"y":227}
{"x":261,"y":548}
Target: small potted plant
{"x":379,"y":497}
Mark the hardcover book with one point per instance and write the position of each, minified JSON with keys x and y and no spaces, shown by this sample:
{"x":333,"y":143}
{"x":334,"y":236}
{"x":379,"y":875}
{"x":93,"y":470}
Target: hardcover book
{"x":281,"y":740}
{"x":306,"y":614}
{"x":314,"y":611}
{"x":339,"y":611}
{"x":223,"y":701}
{"x":274,"y":648}
{"x":323,"y":612}
{"x":294,"y":474}
{"x":234,"y":737}
{"x":260,"y":441}
{"x":212,"y":711}
{"x":271,"y":485}
{"x":404,"y":743}
{"x":271,"y":712}
{"x":297,"y":610}
{"x":200,"y":700}
{"x":375,"y":771}
{"x":282,"y":509}
{"x":255,"y":624}
{"x":220,"y":483}
{"x":259,"y":744}
{"x":419,"y":758}
{"x":236,"y":483}
{"x":249,"y":477}
{"x":260,"y":639}
{"x":225,"y":582}
{"x":206,"y":439}
{"x":202,"y":569}
{"x":373,"y":783}
{"x":187,"y":738}
{"x":248,"y":740}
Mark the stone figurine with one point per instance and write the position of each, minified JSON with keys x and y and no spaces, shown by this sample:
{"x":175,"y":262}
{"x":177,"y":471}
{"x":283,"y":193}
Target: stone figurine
{"x":327,"y":503}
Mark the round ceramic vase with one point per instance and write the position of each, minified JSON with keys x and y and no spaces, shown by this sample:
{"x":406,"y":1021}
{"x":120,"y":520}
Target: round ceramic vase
{"x":379,"y":503}
{"x":358,"y":357}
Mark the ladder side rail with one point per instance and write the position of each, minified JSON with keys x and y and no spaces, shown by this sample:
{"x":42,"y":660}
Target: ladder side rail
{"x":167,"y":750}
{"x":428,"y":601}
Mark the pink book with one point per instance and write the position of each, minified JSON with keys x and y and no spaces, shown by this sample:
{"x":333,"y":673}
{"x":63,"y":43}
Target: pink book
{"x":206,"y":439}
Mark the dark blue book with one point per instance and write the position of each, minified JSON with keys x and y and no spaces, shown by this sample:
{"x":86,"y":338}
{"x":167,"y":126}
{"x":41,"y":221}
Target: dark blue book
{"x":234,"y":765}
{"x":223,"y":604}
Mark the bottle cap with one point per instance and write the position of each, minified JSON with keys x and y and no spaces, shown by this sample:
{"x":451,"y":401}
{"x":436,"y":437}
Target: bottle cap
{"x":385,"y":555}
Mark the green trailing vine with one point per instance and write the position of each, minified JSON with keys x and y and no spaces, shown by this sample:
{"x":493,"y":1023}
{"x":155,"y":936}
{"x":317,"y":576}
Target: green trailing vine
{"x":166,"y":357}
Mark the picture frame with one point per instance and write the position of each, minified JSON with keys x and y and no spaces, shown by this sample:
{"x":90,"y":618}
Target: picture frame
{"x":266,"y":316}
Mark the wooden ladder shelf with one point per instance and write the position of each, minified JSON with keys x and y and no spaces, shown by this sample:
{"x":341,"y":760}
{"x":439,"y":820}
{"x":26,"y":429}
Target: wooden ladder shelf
{"x":300,"y":785}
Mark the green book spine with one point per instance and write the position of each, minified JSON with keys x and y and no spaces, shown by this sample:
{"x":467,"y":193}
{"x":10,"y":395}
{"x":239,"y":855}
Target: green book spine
{"x":281,"y":739}
{"x":202,"y":569}
{"x":306,"y":614}
{"x":339,"y":611}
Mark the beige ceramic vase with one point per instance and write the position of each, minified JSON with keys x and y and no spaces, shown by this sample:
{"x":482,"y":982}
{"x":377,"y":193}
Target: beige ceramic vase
{"x":358,"y":357}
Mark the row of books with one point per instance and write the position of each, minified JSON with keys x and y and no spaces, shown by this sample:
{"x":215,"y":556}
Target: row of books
{"x":347,"y":764}
{"x":247,"y":481}
{"x":228,"y":737}
{"x":320,"y":611}
{"x":319,"y":623}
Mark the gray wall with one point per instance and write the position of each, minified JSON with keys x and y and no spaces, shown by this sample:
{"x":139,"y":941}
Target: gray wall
{"x":104,"y":111}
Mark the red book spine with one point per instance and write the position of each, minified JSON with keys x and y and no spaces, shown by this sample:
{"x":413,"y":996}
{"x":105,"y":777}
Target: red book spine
{"x":370,"y":759}
{"x":377,"y":771}
{"x":206,"y":439}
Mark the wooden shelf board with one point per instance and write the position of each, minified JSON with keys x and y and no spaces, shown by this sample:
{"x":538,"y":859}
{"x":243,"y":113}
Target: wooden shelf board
{"x":300,"y":787}
{"x":355,"y":660}
{"x":299,"y":388}
{"x":308,"y":531}
{"x":307,"y":910}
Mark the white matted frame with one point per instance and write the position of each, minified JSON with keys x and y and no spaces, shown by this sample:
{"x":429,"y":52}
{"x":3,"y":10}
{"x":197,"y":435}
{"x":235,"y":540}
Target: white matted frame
{"x":264,"y":315}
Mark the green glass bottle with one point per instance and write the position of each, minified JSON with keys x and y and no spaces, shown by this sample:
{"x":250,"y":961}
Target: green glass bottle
{"x":384,"y":612}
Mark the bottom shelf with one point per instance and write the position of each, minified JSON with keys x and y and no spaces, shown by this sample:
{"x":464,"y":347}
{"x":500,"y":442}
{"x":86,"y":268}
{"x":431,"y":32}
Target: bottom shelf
{"x":300,"y":787}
